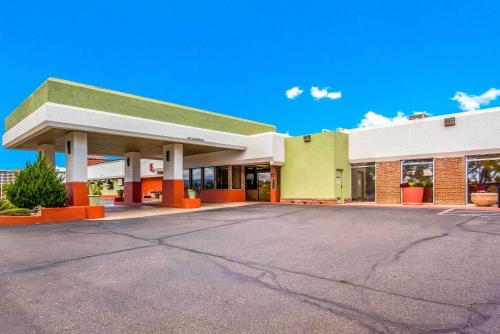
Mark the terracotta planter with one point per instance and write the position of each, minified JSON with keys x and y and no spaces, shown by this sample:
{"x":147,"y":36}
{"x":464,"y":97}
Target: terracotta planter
{"x":413,"y":195}
{"x":484,"y":199}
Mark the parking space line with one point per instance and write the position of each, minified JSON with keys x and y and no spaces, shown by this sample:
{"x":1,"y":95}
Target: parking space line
{"x":469,"y":213}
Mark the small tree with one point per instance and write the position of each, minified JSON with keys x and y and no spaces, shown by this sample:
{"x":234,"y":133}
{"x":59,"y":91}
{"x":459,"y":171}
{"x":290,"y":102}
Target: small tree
{"x":37,"y":184}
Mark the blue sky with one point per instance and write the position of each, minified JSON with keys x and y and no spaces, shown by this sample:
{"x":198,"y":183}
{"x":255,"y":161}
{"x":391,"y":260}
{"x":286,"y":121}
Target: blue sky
{"x":239,"y":57}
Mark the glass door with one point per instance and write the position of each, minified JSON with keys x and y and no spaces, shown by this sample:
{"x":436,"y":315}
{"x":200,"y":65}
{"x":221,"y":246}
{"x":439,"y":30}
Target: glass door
{"x":251,"y":185}
{"x":363,"y":183}
{"x":258,"y":183}
{"x":264,"y":186}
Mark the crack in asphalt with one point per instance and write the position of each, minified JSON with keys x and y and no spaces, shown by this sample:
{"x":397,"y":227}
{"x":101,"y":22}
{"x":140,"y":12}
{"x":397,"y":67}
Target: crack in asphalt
{"x":369,"y":320}
{"x":463,"y":227}
{"x":155,"y":241}
{"x":400,"y":252}
{"x":348,"y":311}
{"x":398,"y":255}
{"x":57,"y":263}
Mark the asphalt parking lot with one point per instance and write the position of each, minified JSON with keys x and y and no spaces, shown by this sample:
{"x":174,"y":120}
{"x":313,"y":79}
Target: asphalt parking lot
{"x":256,"y":269}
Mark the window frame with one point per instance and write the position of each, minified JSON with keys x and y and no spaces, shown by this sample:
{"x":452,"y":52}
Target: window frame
{"x":204,"y":178}
{"x":468,"y":158}
{"x":216,"y":177}
{"x":414,"y":162}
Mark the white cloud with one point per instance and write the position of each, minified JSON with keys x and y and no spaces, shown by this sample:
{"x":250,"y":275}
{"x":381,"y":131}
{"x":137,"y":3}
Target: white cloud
{"x":371,"y":118}
{"x":293,"y":92}
{"x":318,"y":93}
{"x":473,"y":102}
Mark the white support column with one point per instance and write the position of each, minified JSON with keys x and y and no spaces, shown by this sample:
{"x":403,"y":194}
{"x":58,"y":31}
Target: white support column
{"x":173,"y":156}
{"x":132,"y":186}
{"x":76,"y":168}
{"x":49,"y":152}
{"x":173,"y":182}
{"x":132,"y":167}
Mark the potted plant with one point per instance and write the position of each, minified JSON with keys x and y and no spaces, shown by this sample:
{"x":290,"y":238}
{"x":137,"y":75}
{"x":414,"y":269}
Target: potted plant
{"x":484,"y":196}
{"x":119,"y":193}
{"x":413,"y":192}
{"x":191,"y":193}
{"x":94,"y":195}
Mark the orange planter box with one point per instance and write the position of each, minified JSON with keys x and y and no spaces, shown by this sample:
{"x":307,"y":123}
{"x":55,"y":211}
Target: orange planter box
{"x":55,"y":215}
{"x":191,"y":203}
{"x":413,"y":195}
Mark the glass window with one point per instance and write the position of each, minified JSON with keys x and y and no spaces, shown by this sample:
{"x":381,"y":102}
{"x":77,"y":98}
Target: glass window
{"x":420,"y":171}
{"x":363,"y":182}
{"x":236,"y":176}
{"x":208,"y":178}
{"x":222,"y":177}
{"x":187,"y":179}
{"x":196,"y":179}
{"x":483,"y":172}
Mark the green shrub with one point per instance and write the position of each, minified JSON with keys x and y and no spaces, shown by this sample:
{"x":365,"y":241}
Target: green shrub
{"x":16,"y":212}
{"x":95,"y":190}
{"x":37,"y":184}
{"x":492,"y":189}
{"x":6,"y":205}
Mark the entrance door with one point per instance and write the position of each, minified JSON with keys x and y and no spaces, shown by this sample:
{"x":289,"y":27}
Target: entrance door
{"x":258,"y":183}
{"x":358,"y":185}
{"x":339,"y":186}
{"x":264,"y":188}
{"x":363,"y":182}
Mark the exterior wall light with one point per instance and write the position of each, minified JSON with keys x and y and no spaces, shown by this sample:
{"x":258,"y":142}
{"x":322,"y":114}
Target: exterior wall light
{"x":449,"y":121}
{"x":307,"y":138}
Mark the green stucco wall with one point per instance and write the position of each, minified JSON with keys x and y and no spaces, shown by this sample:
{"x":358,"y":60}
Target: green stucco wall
{"x":341,"y":161}
{"x":84,"y":96}
{"x":310,"y":168}
{"x":32,"y":103}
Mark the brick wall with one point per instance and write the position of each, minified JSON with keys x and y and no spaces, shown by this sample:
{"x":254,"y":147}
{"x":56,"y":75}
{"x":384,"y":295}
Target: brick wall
{"x":449,"y":181}
{"x":388,"y":179}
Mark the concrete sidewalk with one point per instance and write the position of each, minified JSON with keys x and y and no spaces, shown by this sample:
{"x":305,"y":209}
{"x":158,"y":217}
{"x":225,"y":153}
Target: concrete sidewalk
{"x":151,"y":209}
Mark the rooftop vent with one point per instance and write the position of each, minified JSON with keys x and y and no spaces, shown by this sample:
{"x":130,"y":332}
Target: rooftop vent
{"x":418,"y":115}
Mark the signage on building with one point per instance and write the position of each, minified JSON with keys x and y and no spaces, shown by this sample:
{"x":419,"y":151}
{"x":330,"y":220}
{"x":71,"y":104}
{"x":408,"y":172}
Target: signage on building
{"x":196,"y":138}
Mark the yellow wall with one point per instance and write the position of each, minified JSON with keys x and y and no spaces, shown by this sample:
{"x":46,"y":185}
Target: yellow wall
{"x":310,"y":168}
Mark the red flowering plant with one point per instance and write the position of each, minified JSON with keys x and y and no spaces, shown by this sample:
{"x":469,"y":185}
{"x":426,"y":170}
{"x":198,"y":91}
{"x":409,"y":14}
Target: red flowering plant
{"x":480,"y":189}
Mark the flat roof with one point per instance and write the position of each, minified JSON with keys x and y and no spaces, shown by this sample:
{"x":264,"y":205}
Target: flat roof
{"x":458,"y":114}
{"x":90,"y":97}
